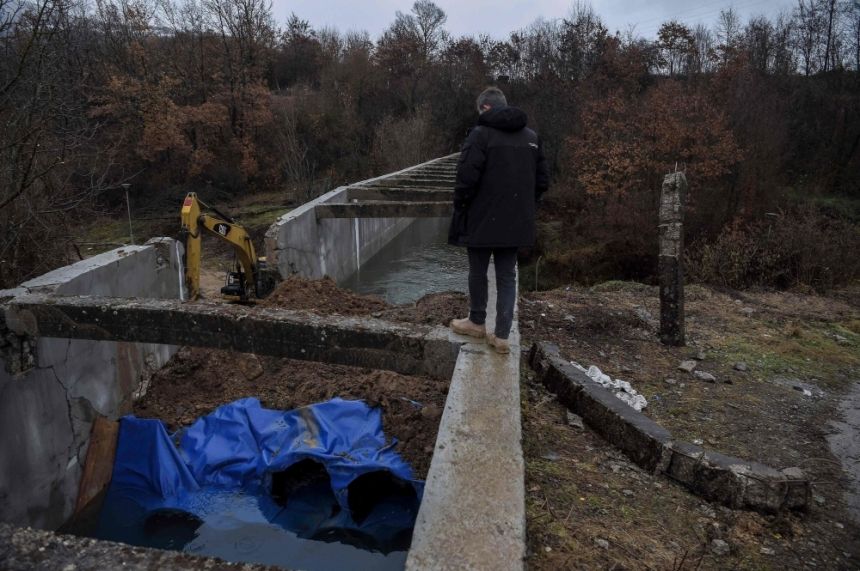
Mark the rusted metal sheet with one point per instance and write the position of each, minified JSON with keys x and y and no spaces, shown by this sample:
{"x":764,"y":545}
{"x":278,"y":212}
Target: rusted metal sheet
{"x":98,"y":467}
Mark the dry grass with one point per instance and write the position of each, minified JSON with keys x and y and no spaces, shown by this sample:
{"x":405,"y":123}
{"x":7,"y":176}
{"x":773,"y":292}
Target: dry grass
{"x":786,"y":339}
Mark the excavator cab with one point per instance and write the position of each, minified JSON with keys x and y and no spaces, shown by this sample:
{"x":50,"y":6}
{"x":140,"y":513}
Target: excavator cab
{"x":235,"y":286}
{"x":250,"y":274}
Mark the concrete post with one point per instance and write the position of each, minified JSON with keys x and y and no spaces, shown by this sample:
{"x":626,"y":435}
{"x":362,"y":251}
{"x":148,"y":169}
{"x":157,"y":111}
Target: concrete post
{"x":671,"y":267}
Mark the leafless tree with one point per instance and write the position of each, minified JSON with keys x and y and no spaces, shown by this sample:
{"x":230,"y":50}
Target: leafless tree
{"x":703,"y":49}
{"x":851,"y":13}
{"x":808,"y":31}
{"x":728,"y":33}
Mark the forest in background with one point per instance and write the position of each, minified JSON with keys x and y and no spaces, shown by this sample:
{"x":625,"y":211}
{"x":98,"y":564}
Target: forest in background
{"x":215,"y":96}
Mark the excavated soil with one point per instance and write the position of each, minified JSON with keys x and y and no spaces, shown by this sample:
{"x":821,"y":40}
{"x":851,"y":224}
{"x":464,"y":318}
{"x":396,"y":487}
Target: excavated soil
{"x":321,"y":296}
{"x":196,"y":381}
{"x":432,"y":309}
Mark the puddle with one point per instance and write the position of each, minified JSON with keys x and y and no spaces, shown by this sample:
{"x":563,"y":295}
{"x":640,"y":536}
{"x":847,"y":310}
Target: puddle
{"x":418,"y":262}
{"x":845,"y":445}
{"x":308,"y":533}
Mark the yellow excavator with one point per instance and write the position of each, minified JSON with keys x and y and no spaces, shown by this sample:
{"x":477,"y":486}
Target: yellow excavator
{"x":249,"y":274}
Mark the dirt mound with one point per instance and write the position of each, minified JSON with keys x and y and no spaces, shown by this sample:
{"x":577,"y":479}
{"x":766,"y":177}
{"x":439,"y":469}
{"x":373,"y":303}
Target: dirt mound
{"x":321,"y":296}
{"x":197,"y":381}
{"x":432,"y":309}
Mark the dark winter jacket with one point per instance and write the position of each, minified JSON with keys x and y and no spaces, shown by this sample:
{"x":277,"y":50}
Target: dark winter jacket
{"x":500,"y":175}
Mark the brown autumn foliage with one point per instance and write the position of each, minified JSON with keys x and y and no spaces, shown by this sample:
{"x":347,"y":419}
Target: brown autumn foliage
{"x":627,"y":139}
{"x":218,"y":97}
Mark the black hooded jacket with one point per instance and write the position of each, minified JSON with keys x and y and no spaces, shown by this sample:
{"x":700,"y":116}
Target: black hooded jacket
{"x":500,"y":175}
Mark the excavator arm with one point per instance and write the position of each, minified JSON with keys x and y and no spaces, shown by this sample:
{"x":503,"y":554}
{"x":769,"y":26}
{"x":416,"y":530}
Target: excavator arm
{"x":194,"y":222}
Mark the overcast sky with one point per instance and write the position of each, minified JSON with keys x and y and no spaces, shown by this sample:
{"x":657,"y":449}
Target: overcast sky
{"x":499,"y":17}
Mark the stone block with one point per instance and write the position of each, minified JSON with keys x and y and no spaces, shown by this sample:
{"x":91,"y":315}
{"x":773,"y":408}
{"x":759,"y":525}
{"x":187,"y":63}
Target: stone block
{"x":644,"y":441}
{"x":737,"y":483}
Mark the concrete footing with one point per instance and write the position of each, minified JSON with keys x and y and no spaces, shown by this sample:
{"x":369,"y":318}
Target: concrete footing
{"x":731,"y":481}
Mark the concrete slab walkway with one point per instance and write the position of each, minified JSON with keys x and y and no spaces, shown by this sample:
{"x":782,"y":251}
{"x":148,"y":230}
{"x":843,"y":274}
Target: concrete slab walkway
{"x":473,"y":512}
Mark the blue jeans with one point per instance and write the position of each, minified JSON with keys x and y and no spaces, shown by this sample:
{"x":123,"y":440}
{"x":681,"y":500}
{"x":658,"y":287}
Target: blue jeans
{"x":506,"y":286}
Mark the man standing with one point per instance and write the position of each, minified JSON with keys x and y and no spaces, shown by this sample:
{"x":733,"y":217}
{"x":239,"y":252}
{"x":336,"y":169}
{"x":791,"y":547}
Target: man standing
{"x":501,"y":174}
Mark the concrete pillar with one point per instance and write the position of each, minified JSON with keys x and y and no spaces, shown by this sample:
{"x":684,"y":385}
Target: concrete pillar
{"x":671,"y":268}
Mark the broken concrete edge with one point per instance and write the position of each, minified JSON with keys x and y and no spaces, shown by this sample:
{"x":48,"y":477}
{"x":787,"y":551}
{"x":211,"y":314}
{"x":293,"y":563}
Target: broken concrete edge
{"x":364,"y":342}
{"x":51,"y":389}
{"x":24,"y":548}
{"x":19,"y":353}
{"x":55,"y":279}
{"x":736,"y":483}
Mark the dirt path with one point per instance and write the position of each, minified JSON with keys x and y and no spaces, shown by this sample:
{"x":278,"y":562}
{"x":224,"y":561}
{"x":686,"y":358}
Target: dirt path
{"x":581,"y":491}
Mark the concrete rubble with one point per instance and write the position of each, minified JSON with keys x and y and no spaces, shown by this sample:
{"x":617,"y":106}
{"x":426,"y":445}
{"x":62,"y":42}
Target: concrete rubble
{"x":27,"y":549}
{"x":621,"y":389}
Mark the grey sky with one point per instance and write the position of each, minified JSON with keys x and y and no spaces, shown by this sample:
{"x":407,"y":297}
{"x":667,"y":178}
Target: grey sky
{"x":499,"y":17}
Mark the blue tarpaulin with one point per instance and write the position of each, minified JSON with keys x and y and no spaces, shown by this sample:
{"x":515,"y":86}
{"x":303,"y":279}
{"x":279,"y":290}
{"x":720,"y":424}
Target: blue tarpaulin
{"x":239,"y":447}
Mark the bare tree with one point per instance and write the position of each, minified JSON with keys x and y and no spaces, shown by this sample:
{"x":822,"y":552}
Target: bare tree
{"x":48,"y":164}
{"x":759,"y":43}
{"x":728,"y":33}
{"x":294,"y":151}
{"x":784,"y":61}
{"x":852,"y":17}
{"x":703,"y":49}
{"x":830,"y":42}
{"x":582,"y":42}
{"x":807,"y":29}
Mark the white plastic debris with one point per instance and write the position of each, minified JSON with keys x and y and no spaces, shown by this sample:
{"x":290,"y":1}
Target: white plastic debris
{"x":622,"y":389}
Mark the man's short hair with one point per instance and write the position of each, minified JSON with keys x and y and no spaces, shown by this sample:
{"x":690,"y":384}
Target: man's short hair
{"x":493,"y":97}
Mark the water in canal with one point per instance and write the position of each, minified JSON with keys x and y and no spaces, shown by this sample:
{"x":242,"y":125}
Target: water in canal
{"x":419,"y":261}
{"x":251,"y":528}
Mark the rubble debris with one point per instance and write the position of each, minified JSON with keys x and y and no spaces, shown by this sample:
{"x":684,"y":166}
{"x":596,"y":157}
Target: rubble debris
{"x":688,"y":366}
{"x":704,"y":376}
{"x":719,"y":547}
{"x":622,"y":389}
{"x":575,"y":420}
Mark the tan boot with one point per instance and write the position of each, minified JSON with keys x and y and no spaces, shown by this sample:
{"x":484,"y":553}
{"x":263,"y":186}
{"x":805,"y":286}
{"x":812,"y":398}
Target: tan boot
{"x":466,"y":327}
{"x":502,"y":346}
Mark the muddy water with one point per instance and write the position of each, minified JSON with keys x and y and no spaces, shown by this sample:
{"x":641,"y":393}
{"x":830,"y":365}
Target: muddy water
{"x":419,"y":261}
{"x":845,"y":445}
{"x":251,"y":528}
